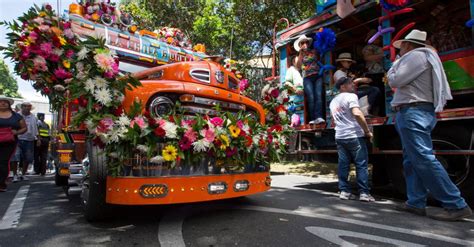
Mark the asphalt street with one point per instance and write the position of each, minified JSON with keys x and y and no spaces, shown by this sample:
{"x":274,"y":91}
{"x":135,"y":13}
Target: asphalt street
{"x":297,"y":211}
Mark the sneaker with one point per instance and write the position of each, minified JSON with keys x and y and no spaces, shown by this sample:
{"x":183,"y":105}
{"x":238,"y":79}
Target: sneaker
{"x":24,"y":178}
{"x":345,"y":195}
{"x":319,"y":121}
{"x":410,"y":209}
{"x":15,"y":179}
{"x":312,"y":122}
{"x":452,"y":214}
{"x":366,"y":198}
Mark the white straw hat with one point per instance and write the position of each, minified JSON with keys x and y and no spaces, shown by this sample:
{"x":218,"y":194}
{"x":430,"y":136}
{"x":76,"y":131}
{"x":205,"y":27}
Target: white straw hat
{"x":3,"y":97}
{"x":346,"y":56}
{"x":303,"y":37}
{"x":415,"y":36}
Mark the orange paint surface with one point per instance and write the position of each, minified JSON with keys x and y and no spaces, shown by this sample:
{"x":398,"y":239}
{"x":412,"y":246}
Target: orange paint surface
{"x":126,"y":190}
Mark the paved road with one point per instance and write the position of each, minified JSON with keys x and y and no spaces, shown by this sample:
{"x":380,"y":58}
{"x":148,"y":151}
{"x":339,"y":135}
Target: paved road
{"x":298,"y":211}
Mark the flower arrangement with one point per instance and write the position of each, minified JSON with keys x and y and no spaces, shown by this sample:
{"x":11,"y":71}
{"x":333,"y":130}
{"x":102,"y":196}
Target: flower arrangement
{"x":44,"y":49}
{"x":86,"y":72}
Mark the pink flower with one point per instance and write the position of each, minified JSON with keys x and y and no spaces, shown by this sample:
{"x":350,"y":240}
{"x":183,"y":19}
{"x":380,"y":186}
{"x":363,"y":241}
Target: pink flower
{"x":106,"y":62}
{"x":187,"y":123}
{"x":191,"y":135}
{"x":68,"y":33}
{"x":66,"y":25}
{"x":43,"y":28}
{"x":108,"y":74}
{"x":105,"y":125}
{"x":229,"y":152}
{"x":244,"y":83}
{"x":25,"y":53}
{"x":60,"y":73}
{"x":208,"y":134}
{"x":33,"y":36}
{"x":69,"y":53}
{"x":47,"y":48}
{"x":184,"y":144}
{"x":240,"y":124}
{"x":38,"y":20}
{"x":217,"y":121}
{"x":40,"y":63}
{"x":53,"y":58}
{"x":140,"y":121}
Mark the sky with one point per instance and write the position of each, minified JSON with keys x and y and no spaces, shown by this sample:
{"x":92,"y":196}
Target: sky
{"x":11,"y":10}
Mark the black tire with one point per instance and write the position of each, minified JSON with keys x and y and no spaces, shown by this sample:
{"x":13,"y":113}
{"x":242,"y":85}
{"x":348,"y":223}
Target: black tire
{"x":60,"y":180}
{"x":94,"y":185}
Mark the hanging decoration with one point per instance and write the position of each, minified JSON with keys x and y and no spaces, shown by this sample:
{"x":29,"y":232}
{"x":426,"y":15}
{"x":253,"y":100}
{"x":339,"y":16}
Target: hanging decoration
{"x":394,"y":4}
{"x":324,"y":40}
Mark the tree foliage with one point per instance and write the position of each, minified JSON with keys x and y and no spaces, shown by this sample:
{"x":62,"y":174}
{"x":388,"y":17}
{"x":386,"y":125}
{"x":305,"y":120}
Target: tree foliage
{"x":8,"y":84}
{"x":211,"y":22}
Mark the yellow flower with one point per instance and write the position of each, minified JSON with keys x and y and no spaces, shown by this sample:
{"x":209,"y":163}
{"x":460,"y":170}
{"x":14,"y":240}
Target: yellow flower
{"x":169,"y":153}
{"x":234,"y":131}
{"x":66,"y":64}
{"x":225,"y":140}
{"x":62,"y":40}
{"x":42,"y":14}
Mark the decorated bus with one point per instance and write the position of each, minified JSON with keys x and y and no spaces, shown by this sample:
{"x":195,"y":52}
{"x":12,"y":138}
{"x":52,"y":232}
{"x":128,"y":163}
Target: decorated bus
{"x":348,"y":27}
{"x":176,"y":130}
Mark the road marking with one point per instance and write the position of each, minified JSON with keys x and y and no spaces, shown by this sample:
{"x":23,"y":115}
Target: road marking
{"x":11,"y":219}
{"x":308,"y":213}
{"x":170,"y":233}
{"x":334,"y":236}
{"x":170,"y":229}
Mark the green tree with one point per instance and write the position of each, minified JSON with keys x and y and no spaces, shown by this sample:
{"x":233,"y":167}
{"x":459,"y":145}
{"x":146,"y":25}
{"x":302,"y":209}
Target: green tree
{"x":8,"y":84}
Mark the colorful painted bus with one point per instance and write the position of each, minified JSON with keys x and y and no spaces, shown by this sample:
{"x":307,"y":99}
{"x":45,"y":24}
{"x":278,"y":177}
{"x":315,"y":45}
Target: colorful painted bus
{"x":168,"y":74}
{"x":447,"y":24}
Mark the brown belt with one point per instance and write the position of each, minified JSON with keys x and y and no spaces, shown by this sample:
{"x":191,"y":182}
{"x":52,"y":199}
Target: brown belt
{"x":407,"y":105}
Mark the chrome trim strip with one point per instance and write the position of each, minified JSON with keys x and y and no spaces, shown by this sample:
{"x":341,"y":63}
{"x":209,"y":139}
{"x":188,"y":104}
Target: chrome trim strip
{"x":203,"y":75}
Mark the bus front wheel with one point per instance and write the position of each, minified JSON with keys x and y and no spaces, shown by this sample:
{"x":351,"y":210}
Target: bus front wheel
{"x":94,"y":185}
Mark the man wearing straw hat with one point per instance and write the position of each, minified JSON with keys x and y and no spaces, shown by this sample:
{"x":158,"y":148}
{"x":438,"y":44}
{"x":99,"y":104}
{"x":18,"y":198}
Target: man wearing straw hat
{"x":422,"y":90}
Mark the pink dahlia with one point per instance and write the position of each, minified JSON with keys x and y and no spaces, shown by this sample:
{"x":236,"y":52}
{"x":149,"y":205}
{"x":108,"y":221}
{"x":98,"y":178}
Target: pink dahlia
{"x":217,"y":121}
{"x":62,"y":73}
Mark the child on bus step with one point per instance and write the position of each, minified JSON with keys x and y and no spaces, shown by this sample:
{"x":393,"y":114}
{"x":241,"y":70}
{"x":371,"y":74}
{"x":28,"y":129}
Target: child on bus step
{"x":312,"y":82}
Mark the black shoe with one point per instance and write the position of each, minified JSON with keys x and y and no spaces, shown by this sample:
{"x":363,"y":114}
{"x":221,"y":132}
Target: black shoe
{"x":407,"y":208}
{"x":452,"y":214}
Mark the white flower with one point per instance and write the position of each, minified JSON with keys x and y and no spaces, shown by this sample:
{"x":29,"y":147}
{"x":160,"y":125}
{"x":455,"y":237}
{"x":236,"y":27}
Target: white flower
{"x":170,"y":129}
{"x":100,"y":82}
{"x":103,"y":96}
{"x":282,"y":115}
{"x":81,"y":75}
{"x":104,"y":137}
{"x":117,"y":134}
{"x":82,"y":53}
{"x":59,"y":87}
{"x":113,"y":155}
{"x":90,"y":126}
{"x":246,"y":128}
{"x":142,"y":148}
{"x":265,"y":89}
{"x":157,"y":159}
{"x":282,"y":140}
{"x":201,"y":145}
{"x":123,"y":120}
{"x":255,"y":139}
{"x":58,"y":51}
{"x":283,"y":95}
{"x":89,"y":85}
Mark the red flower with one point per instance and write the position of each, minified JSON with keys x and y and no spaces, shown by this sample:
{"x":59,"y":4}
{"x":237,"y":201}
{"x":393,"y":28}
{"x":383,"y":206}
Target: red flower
{"x":270,"y":138}
{"x":276,"y":127}
{"x":229,"y":152}
{"x":184,"y":144}
{"x":82,"y":101}
{"x":249,"y":141}
{"x":118,"y":111}
{"x":280,"y":108}
{"x":98,"y":142}
{"x":66,"y":25}
{"x":274,"y":93}
{"x":160,"y":132}
{"x":46,"y":90}
{"x":171,"y":118}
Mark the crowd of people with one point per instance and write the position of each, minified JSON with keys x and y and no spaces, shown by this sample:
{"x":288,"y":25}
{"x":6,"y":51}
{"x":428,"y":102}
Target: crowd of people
{"x":24,"y":139}
{"x":420,"y":90}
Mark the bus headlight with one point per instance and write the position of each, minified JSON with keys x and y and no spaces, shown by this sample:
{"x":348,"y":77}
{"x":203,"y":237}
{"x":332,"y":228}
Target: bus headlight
{"x":160,"y":106}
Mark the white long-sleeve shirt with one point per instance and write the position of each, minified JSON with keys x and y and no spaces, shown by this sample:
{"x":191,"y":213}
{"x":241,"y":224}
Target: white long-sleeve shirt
{"x":411,"y":75}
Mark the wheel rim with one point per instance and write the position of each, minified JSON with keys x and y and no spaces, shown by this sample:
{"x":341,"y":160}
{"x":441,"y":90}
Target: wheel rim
{"x":85,"y":192}
{"x":456,"y":166}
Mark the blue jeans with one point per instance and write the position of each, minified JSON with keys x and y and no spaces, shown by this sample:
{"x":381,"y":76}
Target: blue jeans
{"x":27,"y":150}
{"x":313,"y":90}
{"x":371,"y":92}
{"x":423,"y":172}
{"x":354,"y":149}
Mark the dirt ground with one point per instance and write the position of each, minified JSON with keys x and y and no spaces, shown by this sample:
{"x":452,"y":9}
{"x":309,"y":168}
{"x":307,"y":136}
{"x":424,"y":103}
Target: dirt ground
{"x":310,"y":169}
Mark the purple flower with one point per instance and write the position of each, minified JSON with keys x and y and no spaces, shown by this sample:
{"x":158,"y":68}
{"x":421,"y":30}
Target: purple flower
{"x":47,"y":48}
{"x":60,"y":73}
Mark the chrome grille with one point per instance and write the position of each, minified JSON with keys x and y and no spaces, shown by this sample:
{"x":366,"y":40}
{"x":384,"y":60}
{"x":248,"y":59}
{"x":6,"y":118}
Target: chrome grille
{"x":203,"y":75}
